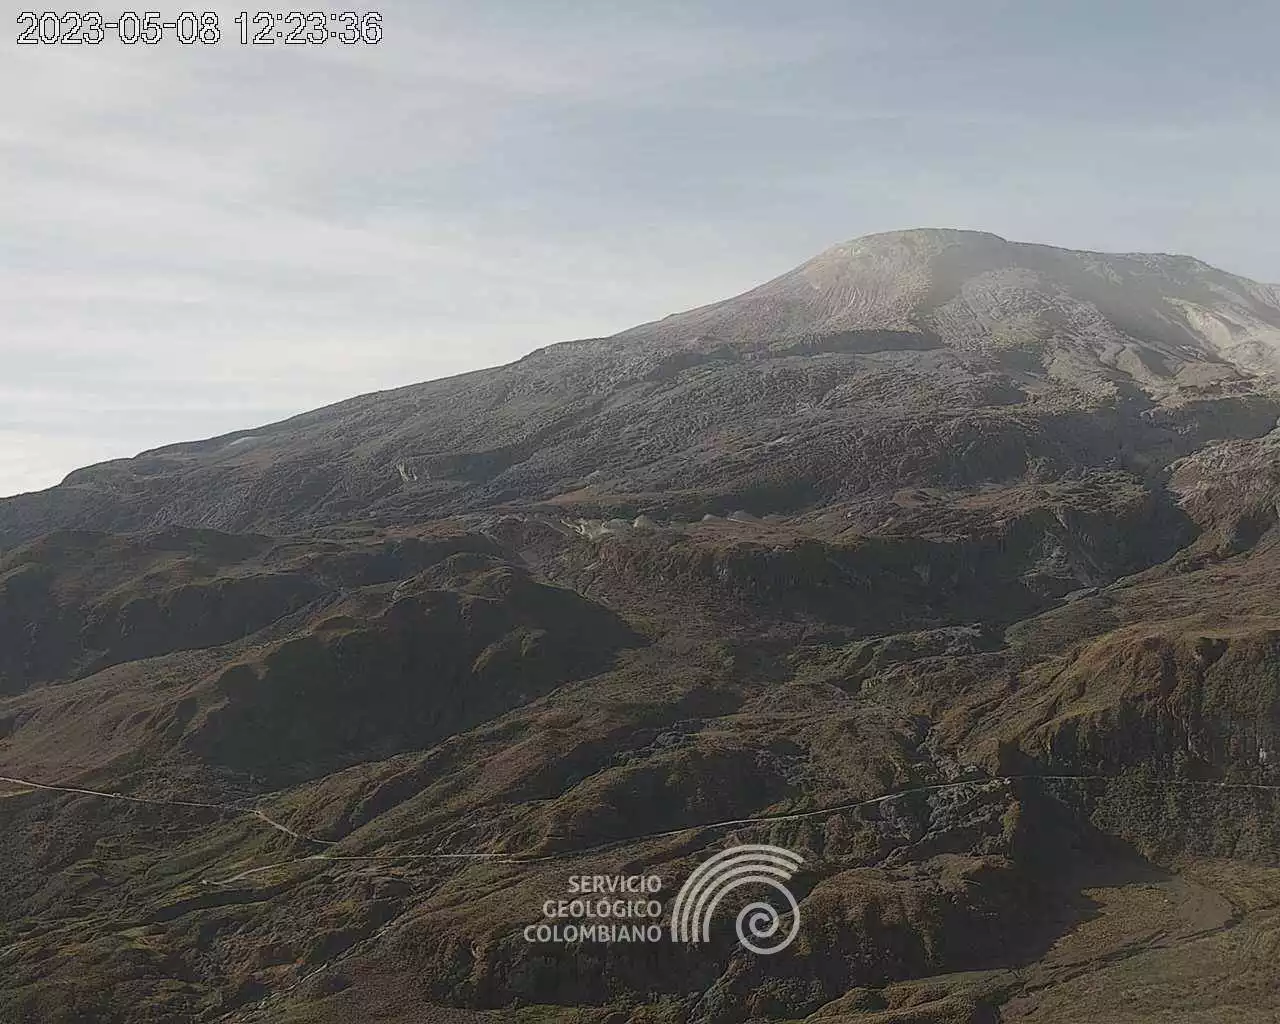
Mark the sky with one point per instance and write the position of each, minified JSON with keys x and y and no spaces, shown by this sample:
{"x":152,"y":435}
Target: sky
{"x":200,"y":239}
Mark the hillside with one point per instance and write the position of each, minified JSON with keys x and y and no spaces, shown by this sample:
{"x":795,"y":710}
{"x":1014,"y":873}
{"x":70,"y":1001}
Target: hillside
{"x":916,"y":358}
{"x":946,"y":561}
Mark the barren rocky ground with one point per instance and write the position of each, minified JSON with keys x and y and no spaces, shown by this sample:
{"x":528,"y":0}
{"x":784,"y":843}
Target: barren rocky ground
{"x":947,"y":562}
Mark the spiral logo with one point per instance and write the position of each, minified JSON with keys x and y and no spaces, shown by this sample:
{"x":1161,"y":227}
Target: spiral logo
{"x":733,"y":868}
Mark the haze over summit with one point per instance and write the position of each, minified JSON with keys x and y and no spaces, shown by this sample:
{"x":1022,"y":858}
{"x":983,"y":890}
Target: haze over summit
{"x":202,"y":241}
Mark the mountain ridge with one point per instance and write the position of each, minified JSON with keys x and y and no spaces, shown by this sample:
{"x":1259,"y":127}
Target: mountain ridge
{"x":906,"y":280}
{"x":877,"y":327}
{"x":974,"y":609}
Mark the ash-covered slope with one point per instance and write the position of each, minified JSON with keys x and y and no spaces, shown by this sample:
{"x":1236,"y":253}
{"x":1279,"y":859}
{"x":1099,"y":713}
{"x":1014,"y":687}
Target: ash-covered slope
{"x":916,"y":358}
{"x":1079,"y":315}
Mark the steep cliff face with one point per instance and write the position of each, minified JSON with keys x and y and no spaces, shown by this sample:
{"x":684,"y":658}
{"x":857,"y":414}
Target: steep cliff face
{"x":1196,"y":707}
{"x":931,"y":562}
{"x":1233,"y":489}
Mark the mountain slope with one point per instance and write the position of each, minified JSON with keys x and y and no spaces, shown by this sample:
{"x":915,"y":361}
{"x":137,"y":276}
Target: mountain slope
{"x":883,"y":360}
{"x":1150,"y":317}
{"x":946,"y":562}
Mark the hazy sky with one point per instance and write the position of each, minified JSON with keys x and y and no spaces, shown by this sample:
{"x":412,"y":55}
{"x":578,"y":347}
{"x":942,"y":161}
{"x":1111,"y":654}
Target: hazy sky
{"x":197,"y":239}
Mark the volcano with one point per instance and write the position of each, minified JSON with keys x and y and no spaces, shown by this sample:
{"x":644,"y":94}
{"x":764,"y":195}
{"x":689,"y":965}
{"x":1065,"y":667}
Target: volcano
{"x":945,"y":562}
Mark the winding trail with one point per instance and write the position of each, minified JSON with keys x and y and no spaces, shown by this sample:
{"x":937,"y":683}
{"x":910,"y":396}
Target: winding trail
{"x":529,"y":858}
{"x":250,"y":1012}
{"x":152,"y":801}
{"x":600,"y":848}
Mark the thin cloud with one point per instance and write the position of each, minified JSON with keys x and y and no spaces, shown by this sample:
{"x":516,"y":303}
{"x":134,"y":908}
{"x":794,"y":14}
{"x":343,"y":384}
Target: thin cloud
{"x":195,"y":240}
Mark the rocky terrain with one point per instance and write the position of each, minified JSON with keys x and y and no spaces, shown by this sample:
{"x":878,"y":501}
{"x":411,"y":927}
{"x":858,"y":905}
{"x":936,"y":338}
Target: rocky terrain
{"x":947,"y":562}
